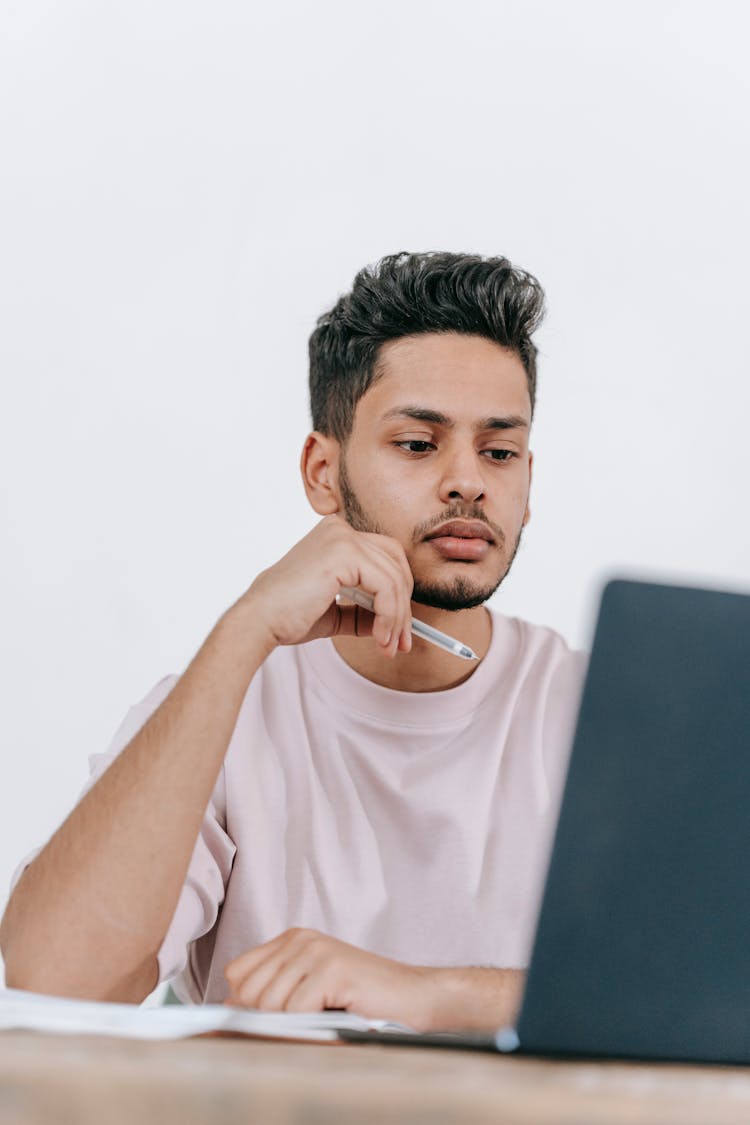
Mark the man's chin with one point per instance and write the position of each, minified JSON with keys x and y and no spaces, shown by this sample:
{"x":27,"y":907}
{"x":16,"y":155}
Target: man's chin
{"x":452,"y":596}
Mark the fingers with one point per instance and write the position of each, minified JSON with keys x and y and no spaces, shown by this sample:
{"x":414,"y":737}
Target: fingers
{"x":383,"y":572}
{"x":247,"y":962}
{"x":393,"y":550}
{"x":293,"y":601}
{"x":311,"y":994}
{"x":306,"y":971}
{"x":286,"y":974}
{"x":343,"y":620}
{"x":382,"y":577}
{"x":251,"y":974}
{"x":270,"y":983}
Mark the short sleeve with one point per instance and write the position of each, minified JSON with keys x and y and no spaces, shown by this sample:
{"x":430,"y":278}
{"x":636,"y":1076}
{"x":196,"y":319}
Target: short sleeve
{"x":203,"y":891}
{"x":213,"y":854}
{"x":135,"y":718}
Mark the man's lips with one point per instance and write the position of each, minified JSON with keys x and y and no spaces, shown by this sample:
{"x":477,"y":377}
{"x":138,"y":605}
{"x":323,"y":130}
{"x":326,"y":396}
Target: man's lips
{"x":462,"y":529}
{"x":469,"y":540}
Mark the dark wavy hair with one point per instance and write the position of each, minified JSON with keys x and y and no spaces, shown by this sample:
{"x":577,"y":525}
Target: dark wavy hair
{"x":407,"y":294}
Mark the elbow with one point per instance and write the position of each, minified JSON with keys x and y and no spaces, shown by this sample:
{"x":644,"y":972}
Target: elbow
{"x":13,"y":977}
{"x":132,"y":990}
{"x":25,"y":970}
{"x":18,"y":975}
{"x":46,"y":977}
{"x":34,"y":962}
{"x":14,"y":941}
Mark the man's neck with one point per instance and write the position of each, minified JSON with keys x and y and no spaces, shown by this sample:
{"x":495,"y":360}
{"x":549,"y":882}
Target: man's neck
{"x":426,"y":667}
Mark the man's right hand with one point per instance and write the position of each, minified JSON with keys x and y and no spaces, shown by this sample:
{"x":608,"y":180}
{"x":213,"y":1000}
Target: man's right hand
{"x":96,"y":878}
{"x":295,"y":599}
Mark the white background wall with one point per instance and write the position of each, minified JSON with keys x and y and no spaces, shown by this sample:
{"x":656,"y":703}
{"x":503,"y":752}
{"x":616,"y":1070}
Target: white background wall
{"x":185,"y":186}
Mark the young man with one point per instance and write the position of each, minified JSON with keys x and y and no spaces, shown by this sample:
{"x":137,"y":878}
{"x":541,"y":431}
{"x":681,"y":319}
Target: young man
{"x":324,"y":810}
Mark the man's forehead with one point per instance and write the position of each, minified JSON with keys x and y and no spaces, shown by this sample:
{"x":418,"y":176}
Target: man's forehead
{"x":448,"y":375}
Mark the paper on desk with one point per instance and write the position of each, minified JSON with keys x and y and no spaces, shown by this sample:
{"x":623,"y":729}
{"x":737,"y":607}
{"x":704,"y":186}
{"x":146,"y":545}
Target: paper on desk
{"x":32,"y":1011}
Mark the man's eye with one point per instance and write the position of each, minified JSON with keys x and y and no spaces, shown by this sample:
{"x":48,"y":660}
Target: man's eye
{"x":500,"y":454}
{"x":415,"y":446}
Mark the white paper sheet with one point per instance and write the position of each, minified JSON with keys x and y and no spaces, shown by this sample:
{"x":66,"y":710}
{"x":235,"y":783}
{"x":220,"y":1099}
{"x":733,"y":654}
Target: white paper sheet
{"x":32,"y":1011}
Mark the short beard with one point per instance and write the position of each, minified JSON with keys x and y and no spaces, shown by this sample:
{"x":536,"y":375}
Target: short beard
{"x":460,"y":594}
{"x":353,"y":510}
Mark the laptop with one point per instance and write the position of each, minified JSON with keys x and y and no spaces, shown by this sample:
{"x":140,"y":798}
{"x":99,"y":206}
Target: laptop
{"x":642,"y":947}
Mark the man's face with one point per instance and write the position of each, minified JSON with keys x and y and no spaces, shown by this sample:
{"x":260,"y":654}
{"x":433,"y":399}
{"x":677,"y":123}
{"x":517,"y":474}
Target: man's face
{"x":442,"y":437}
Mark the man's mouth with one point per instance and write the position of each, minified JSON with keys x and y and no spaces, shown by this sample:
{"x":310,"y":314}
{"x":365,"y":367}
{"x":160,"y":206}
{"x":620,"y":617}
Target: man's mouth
{"x":467,"y":540}
{"x":462,"y":529}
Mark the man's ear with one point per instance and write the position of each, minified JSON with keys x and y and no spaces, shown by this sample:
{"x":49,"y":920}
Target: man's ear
{"x":527,"y":513}
{"x":319,"y":465}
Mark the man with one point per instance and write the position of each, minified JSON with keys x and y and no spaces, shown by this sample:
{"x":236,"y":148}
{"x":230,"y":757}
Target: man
{"x":324,"y":810}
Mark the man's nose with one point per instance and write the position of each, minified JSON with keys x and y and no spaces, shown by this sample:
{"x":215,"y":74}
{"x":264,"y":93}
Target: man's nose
{"x":462,"y":478}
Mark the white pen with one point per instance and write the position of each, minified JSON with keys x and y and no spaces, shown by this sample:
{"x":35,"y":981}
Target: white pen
{"x":426,"y":632}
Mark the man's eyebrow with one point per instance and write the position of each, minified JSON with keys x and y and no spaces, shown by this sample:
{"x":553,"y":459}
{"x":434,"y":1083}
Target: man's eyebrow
{"x":422,"y":414}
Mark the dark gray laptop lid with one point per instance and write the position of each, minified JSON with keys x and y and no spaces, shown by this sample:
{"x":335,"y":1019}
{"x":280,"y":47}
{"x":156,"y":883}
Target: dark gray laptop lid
{"x":643,"y":941}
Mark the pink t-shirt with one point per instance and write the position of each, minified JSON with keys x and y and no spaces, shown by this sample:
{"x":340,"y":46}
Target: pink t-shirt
{"x":414,"y":825}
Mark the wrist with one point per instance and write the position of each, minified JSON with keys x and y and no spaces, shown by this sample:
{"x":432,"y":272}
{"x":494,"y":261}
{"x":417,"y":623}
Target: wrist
{"x":244,"y":630}
{"x":474,"y":999}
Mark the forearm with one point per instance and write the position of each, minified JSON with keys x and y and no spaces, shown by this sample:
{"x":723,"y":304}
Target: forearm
{"x":91,"y":911}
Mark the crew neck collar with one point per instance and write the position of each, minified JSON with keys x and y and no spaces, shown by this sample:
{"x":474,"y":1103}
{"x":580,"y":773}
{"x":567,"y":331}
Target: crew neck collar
{"x":354,"y":692}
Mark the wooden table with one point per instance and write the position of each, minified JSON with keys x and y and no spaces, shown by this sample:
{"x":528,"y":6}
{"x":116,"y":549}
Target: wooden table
{"x":81,"y":1080}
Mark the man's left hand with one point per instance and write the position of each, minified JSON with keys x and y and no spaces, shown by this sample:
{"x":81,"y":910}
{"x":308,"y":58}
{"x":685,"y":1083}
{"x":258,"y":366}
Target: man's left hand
{"x":306,"y":971}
